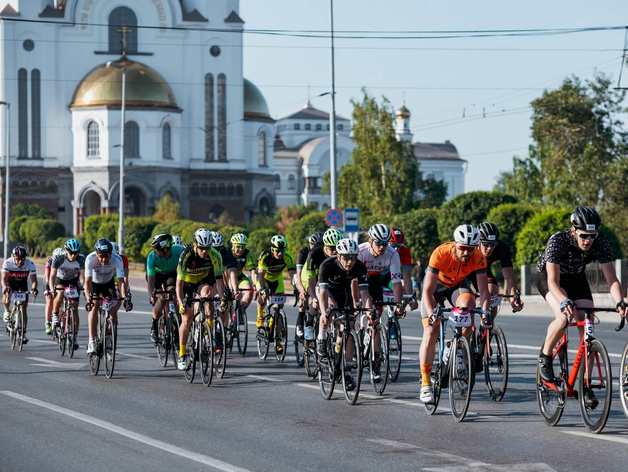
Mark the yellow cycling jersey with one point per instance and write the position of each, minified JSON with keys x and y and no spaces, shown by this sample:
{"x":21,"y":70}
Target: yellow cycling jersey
{"x":274,"y":267}
{"x":192,"y":268}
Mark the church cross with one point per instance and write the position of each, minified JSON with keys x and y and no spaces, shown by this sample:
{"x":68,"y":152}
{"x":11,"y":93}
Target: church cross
{"x":124,"y":30}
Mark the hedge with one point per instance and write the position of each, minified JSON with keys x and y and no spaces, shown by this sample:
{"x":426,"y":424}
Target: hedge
{"x":260,"y":240}
{"x":510,"y":218}
{"x":298,"y":231}
{"x":38,"y":233}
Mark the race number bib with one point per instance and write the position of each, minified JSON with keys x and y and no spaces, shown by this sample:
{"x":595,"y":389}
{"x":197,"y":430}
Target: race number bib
{"x":389,"y":297}
{"x":496,"y":300}
{"x":18,"y":297}
{"x":278,"y":299}
{"x":107,"y":304}
{"x":71,"y":292}
{"x":459,"y":320}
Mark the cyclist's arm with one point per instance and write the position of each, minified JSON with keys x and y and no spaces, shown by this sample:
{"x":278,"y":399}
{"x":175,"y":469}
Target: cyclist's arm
{"x":611,"y":279}
{"x":119,"y":268}
{"x":47,"y":275}
{"x":485,"y":295}
{"x":179,"y":289}
{"x":150,"y":273}
{"x":299,"y":281}
{"x":233,"y":279}
{"x":220,"y":287}
{"x":151,"y":285}
{"x":407,"y":281}
{"x":88,"y":286}
{"x":51,"y":278}
{"x":553,"y":281}
{"x":5,"y":280}
{"x":292,"y":274}
{"x":511,"y":281}
{"x":395,"y":277}
{"x":261,"y":278}
{"x":324,"y":298}
{"x":429,"y":286}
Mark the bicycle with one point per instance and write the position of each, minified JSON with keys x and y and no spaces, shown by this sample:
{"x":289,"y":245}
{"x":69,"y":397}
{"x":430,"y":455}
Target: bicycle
{"x":453,"y":372}
{"x":269,"y":333}
{"x":395,"y":349}
{"x":238,"y":325}
{"x":594,"y":374}
{"x":200,"y":345}
{"x":623,"y":372}
{"x":220,"y":341}
{"x":65,"y":333}
{"x":309,"y":351}
{"x":377,"y":362}
{"x":15,"y":326}
{"x":107,"y":336}
{"x":168,"y":329}
{"x":299,"y":341}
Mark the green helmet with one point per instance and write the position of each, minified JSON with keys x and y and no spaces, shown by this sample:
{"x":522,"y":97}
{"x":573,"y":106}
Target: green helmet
{"x":239,"y":238}
{"x":278,"y":242}
{"x":331,"y":237}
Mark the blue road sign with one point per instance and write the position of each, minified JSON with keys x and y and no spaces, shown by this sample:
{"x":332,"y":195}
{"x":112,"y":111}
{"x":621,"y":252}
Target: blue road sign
{"x":352,"y":220}
{"x":333,"y":218}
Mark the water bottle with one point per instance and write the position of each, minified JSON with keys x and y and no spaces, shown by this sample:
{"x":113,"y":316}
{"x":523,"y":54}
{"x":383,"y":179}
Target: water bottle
{"x":393,"y":331}
{"x":446,"y":353}
{"x":196,"y":334}
{"x":171,"y":306}
{"x":367,"y":340}
{"x":270,"y":322}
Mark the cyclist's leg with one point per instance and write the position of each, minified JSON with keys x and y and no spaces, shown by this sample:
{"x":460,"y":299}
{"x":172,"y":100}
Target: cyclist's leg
{"x":430,"y":335}
{"x":187,"y":314}
{"x":260,"y":308}
{"x":204,"y":289}
{"x":111,"y":292}
{"x":247,"y":296}
{"x":92,"y":317}
{"x":278,"y":287}
{"x":58,"y":298}
{"x":376,"y":291}
{"x":464,"y":298}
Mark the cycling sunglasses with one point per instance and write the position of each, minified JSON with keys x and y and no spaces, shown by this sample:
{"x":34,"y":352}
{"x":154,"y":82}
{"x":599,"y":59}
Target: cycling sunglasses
{"x":73,"y":253}
{"x":586,"y":236}
{"x":381,"y":243}
{"x":279,"y":251}
{"x":466,"y":248}
{"x":239,"y":246}
{"x":203,"y":248}
{"x":349,"y":257}
{"x":487,"y":244}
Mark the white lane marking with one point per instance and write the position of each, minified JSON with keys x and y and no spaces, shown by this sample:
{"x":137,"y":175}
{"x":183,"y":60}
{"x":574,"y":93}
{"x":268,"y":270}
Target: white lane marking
{"x":604,"y":437}
{"x":261,"y":377}
{"x":537,"y":348}
{"x":135,"y":356}
{"x":210,"y":461}
{"x":50,"y":363}
{"x":41,"y":341}
{"x":538,"y":467}
{"x":428,"y":452}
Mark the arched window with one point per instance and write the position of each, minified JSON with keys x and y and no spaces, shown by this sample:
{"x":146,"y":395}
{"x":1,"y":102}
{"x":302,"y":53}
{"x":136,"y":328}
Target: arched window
{"x":93,"y":140}
{"x":221,"y":190}
{"x":204,"y":191}
{"x":230,"y":190}
{"x":292,"y":182}
{"x":165,"y":142}
{"x":195,"y":190}
{"x":209,"y":117}
{"x":222,"y":117}
{"x":36,"y":113}
{"x":261,"y":149}
{"x":131,"y":139}
{"x":22,"y":112}
{"x":277,"y":182}
{"x":239,"y":190}
{"x":119,"y":17}
{"x":213,"y":190}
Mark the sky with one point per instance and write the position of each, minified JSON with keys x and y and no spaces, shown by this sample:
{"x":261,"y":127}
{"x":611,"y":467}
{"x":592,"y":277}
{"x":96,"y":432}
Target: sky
{"x":474,"y":92}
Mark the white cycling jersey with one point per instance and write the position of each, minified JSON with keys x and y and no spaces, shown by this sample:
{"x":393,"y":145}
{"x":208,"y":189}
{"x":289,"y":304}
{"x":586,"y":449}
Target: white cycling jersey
{"x":103,"y":273}
{"x":67,"y":270}
{"x":375,"y":265}
{"x":18,"y":273}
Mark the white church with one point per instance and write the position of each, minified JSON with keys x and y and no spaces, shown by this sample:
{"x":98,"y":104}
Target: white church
{"x":194,"y":128}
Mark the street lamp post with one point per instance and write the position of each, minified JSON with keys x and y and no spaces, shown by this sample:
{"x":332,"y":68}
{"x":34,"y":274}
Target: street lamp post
{"x":332,"y":118}
{"x":6,"y":180}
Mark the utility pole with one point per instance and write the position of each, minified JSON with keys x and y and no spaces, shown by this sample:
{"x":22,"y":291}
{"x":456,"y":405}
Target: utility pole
{"x":6,"y":180}
{"x":332,"y":116}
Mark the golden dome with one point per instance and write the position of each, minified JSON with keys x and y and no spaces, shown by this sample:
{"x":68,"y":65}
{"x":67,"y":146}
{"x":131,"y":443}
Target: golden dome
{"x":255,"y":105}
{"x":403,"y":112}
{"x":145,"y":88}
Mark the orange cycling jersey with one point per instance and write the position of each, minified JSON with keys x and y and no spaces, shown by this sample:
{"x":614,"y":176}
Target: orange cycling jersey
{"x":451,"y":271}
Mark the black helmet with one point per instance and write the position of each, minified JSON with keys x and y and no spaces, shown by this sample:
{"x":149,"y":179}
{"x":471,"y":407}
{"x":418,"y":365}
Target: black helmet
{"x":161,"y":241}
{"x":586,"y":218}
{"x":103,"y":247}
{"x":315,"y":238}
{"x":19,"y":252}
{"x":488,"y":231}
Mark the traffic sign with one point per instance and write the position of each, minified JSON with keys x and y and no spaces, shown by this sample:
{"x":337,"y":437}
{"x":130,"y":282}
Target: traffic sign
{"x":352,"y":219}
{"x":333,"y":218}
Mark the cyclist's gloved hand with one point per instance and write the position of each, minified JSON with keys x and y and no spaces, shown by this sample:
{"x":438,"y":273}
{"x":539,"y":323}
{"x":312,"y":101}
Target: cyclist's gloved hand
{"x":89,"y":306}
{"x":399,"y":311}
{"x":46,"y":288}
{"x":35,"y":292}
{"x":487,"y":322}
{"x":6,"y":290}
{"x":622,"y":308}
{"x":566,"y":307}
{"x":434,"y":316}
{"x":128,"y":305}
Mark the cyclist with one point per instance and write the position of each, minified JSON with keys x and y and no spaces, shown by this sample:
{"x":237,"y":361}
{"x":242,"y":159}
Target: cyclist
{"x":161,"y":273}
{"x":494,"y":249}
{"x":272,"y":262}
{"x":200,"y":268}
{"x":342,"y":282}
{"x":397,"y":239}
{"x":177,"y":241}
{"x":125,"y":263}
{"x":16,"y":271}
{"x":312,"y":240}
{"x":563,"y":282}
{"x":102,"y":267}
{"x":66,"y":269}
{"x":49,"y":296}
{"x":244,"y":260}
{"x":230,"y":276}
{"x":445,"y":278}
{"x":318,"y":254}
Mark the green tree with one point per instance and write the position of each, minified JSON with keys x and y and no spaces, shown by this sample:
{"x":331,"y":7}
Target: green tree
{"x":38,"y":232}
{"x":468,"y":208}
{"x":382,"y":177}
{"x":299,"y":230}
{"x":510,"y":219}
{"x":137,"y":231}
{"x":91,"y":231}
{"x":419,"y":227}
{"x":30,"y":209}
{"x":260,"y":240}
{"x":524,"y":182}
{"x":168,"y":209}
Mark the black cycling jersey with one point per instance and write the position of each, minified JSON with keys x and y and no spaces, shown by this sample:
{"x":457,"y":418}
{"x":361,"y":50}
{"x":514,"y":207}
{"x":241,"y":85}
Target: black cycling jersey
{"x":302,"y":256}
{"x":315,"y":257}
{"x":562,"y":249}
{"x":503,"y":254}
{"x":228,"y":261}
{"x":333,"y":277}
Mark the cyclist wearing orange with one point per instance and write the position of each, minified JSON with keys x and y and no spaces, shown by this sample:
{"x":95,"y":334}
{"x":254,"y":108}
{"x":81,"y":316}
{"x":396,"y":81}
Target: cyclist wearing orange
{"x":445,"y":278}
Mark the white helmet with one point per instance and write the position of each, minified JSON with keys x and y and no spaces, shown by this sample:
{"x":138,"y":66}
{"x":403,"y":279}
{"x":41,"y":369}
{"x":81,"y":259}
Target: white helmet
{"x":203,"y":237}
{"x":380,"y":232}
{"x":347,"y":246}
{"x":58,"y":251}
{"x":467,"y":235}
{"x":218,"y":239}
{"x":116,"y":248}
{"x":176,"y":240}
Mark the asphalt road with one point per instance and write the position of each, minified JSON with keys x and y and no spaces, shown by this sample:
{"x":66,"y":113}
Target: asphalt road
{"x":54,"y":415}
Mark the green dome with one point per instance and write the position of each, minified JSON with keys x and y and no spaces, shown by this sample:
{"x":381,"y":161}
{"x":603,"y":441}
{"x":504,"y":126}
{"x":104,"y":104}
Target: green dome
{"x":145,"y":88}
{"x":255,"y":105}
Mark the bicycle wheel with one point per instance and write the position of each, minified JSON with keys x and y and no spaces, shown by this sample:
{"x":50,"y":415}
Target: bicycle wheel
{"x":326,"y":372}
{"x":205,"y":354}
{"x":20,"y":328}
{"x":243,"y":331}
{"x":298,"y":349}
{"x":190,"y":362}
{"x":263,"y":340}
{"x":378,"y":362}
{"x":552,"y":401}
{"x":496,"y":365}
{"x":174,"y":338}
{"x":351,"y":367}
{"x":94,"y":358}
{"x":460,"y":373}
{"x":69,"y":338}
{"x":220,"y":348}
{"x":281,"y":336}
{"x":13,"y":327}
{"x":61,"y":334}
{"x":623,"y":380}
{"x":394,"y":349}
{"x":596,"y":391}
{"x":110,"y":347}
{"x":162,"y":347}
{"x":436,"y":379}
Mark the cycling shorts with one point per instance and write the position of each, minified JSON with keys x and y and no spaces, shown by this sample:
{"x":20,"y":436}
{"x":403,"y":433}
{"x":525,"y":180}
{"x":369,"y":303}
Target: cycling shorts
{"x":18,"y":285}
{"x":106,"y":290}
{"x":576,"y":286}
{"x":163,"y":281}
{"x":191,"y":289}
{"x":376,"y":291}
{"x":275,"y":286}
{"x":66,"y":283}
{"x":244,"y":282}
{"x":451,"y":294}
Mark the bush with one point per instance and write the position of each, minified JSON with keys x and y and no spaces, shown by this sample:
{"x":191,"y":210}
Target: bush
{"x":30,"y":209}
{"x":168,"y":209}
{"x":54,"y":244}
{"x":91,"y":232}
{"x":15,"y":227}
{"x":534,"y":235}
{"x":228,"y":231}
{"x":298,"y":231}
{"x":510,"y":218}
{"x":137,"y":231}
{"x":260,"y":240}
{"x":468,"y":208}
{"x":419,"y":227}
{"x":38,"y":232}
